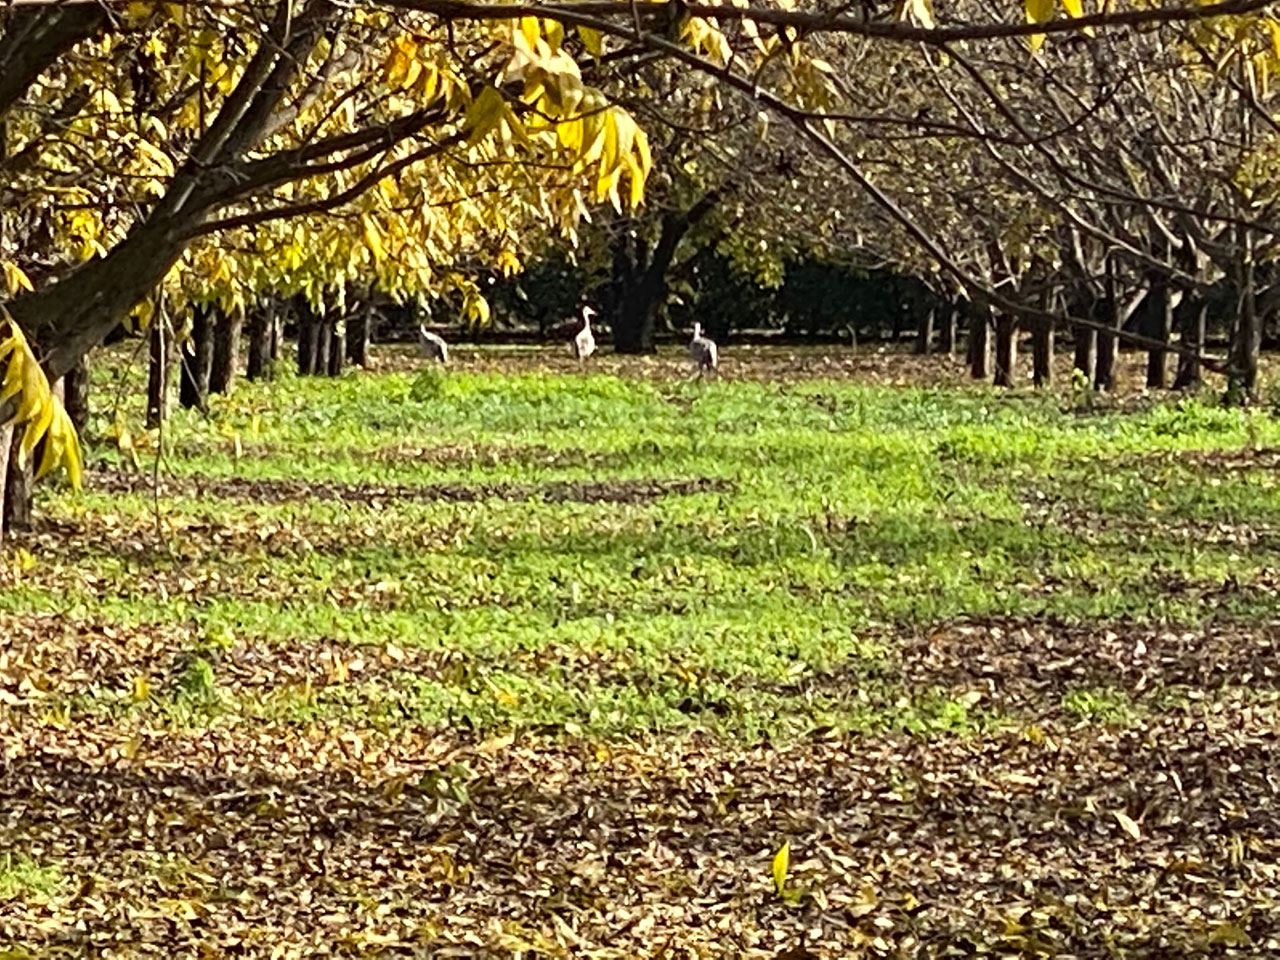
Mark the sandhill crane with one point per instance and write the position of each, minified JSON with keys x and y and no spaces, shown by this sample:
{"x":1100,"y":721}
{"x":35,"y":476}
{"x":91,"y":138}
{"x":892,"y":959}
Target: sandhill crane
{"x":432,"y":345}
{"x":584,"y":342}
{"x":703,"y":350}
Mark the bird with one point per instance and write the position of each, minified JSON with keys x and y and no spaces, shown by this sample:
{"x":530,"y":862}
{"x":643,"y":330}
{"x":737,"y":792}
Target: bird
{"x":584,"y":342}
{"x":432,"y":345}
{"x":704,"y":352}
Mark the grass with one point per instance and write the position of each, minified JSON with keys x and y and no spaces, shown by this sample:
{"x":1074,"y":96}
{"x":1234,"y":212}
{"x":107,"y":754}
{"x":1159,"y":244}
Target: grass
{"x":840,"y":514}
{"x":359,"y":609}
{"x":22,"y":877}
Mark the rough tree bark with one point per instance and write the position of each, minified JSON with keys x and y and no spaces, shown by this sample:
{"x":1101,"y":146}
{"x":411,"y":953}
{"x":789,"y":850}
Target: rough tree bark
{"x":1006,"y":350}
{"x":226,"y":351}
{"x":979,"y":342}
{"x":18,"y":486}
{"x":197,"y":359}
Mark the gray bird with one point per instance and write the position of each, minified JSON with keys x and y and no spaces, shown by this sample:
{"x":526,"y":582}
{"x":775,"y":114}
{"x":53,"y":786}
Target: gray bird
{"x":432,"y":345}
{"x":584,"y":342}
{"x":703,"y":350}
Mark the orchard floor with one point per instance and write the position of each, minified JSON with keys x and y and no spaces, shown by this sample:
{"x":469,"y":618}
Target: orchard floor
{"x":523,"y":660}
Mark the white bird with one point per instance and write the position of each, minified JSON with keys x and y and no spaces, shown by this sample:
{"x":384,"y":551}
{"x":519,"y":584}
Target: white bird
{"x":704,"y":352}
{"x":432,"y":345}
{"x":584,"y":342}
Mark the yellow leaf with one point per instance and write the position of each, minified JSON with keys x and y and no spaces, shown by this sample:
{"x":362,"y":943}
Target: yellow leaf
{"x":141,"y":688}
{"x":484,"y":115}
{"x":593,"y":40}
{"x":781,"y":864}
{"x":1039,"y":11}
{"x":530,"y":31}
{"x":372,"y":237}
{"x":15,"y":279}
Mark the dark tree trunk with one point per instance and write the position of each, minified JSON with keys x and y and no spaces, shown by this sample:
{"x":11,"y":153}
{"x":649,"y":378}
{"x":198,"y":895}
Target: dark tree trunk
{"x":1104,"y":374}
{"x":275,"y":334}
{"x":1086,"y":351}
{"x":258,"y":364}
{"x":979,"y":342}
{"x":1160,"y":326}
{"x":1194,"y":321}
{"x":18,"y":488}
{"x":324,"y":334}
{"x":1042,"y":353}
{"x":640,"y":284}
{"x":358,"y":333}
{"x":308,"y":340}
{"x":1006,"y":350}
{"x":197,"y":359}
{"x":158,"y":373}
{"x":76,"y":389}
{"x":337,"y":347}
{"x":947,"y":332}
{"x":1247,"y":340}
{"x":226,"y":351}
{"x":924,"y":336}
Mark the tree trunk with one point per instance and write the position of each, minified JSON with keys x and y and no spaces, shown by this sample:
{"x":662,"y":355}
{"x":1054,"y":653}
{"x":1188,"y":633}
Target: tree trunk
{"x":924,"y":336}
{"x":258,"y":364}
{"x":1104,"y":374}
{"x":337,"y":347}
{"x":947,"y":332}
{"x":76,"y":389}
{"x":1247,"y":342}
{"x":1160,"y":327}
{"x":1042,"y":353}
{"x":18,"y":488}
{"x":1006,"y":366}
{"x":197,"y":359}
{"x":641,"y":286}
{"x":226,"y":351}
{"x":324,"y":334}
{"x":1086,"y":351}
{"x":979,"y":342}
{"x":308,"y":340}
{"x":275,"y":334}
{"x":358,"y":333}
{"x":158,"y":373}
{"x":1194,"y":321}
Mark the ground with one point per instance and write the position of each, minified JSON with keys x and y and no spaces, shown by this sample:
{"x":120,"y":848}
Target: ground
{"x":522,"y":660}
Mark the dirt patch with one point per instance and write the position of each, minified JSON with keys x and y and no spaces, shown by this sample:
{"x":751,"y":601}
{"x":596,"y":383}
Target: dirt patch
{"x":294,"y":491}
